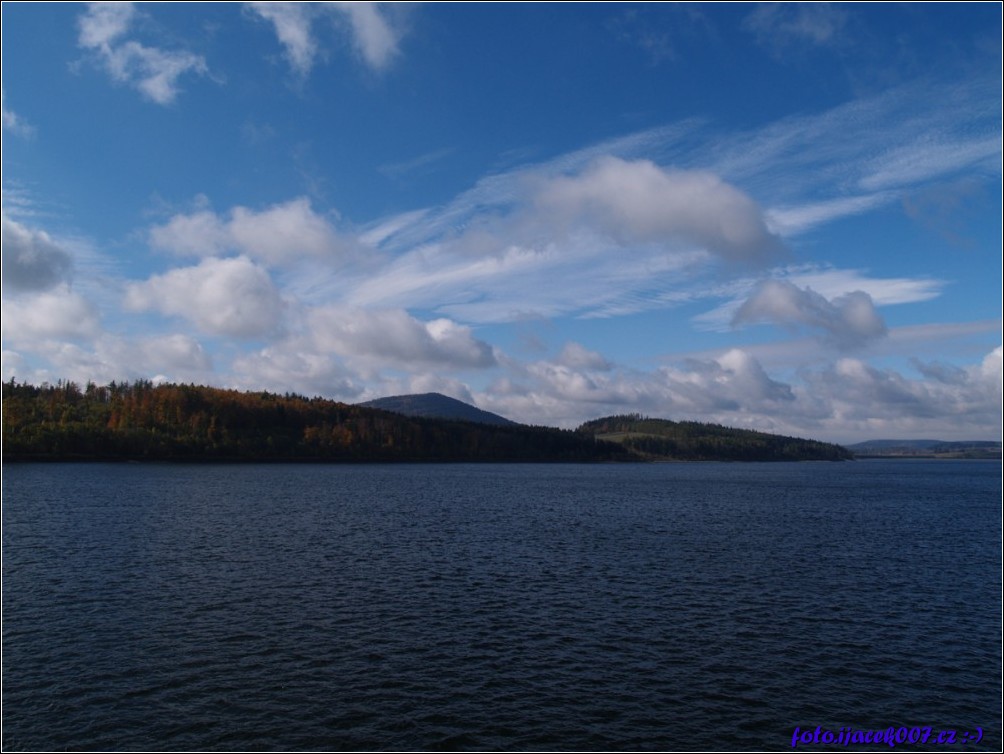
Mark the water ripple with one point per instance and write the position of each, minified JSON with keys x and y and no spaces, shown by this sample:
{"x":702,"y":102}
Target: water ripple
{"x":676,"y":607}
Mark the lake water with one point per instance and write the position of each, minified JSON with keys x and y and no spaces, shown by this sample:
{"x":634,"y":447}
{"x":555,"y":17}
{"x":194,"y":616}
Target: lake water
{"x":587,"y":607}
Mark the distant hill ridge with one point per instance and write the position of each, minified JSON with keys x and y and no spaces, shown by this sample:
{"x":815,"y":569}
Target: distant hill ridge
{"x":928,"y":448}
{"x":437,"y":406}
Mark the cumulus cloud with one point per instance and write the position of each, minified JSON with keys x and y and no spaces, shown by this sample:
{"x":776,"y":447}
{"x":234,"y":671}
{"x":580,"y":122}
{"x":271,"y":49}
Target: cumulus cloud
{"x":844,"y":401}
{"x":230,"y":297}
{"x":392,"y":336}
{"x":640,"y":202}
{"x":32,"y":261}
{"x":344,"y":352}
{"x":55,"y":314}
{"x":175,"y":354}
{"x":731,"y":389}
{"x":374,"y":36}
{"x":177,"y":358}
{"x":281,"y":233}
{"x":577,"y":356}
{"x":877,"y":402}
{"x":847,"y":320}
{"x":151,"y":70}
{"x":291,"y":367}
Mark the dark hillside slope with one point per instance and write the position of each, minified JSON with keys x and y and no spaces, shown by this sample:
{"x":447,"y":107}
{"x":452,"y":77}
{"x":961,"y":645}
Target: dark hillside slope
{"x":661,"y":439}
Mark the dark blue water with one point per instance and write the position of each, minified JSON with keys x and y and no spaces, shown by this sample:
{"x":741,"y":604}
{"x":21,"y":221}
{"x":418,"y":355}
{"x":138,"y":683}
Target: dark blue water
{"x":675,"y":606}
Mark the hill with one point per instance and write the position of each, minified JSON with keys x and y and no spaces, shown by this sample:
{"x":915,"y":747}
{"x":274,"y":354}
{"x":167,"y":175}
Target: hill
{"x":142,"y":421}
{"x":662,"y":439}
{"x":989,"y":449}
{"x":437,"y":406}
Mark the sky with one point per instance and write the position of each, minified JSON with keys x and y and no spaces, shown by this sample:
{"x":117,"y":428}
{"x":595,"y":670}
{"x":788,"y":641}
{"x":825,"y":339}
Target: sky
{"x":783,"y":217}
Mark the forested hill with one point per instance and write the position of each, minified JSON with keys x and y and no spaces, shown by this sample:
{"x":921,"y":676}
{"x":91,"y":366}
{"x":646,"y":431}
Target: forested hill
{"x":661,"y":439}
{"x":142,"y":421}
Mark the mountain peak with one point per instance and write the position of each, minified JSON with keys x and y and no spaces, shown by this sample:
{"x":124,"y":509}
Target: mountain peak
{"x":438,"y":406}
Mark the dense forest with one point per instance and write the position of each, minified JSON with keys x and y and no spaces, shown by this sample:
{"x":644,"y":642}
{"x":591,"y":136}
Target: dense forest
{"x":661,"y":439}
{"x":143,"y":421}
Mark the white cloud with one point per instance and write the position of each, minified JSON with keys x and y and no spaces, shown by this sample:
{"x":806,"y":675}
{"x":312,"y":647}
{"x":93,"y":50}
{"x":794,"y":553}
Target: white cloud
{"x":52,"y":315}
{"x":229,"y":297}
{"x":844,"y":401}
{"x":284,"y":232}
{"x":778,"y":25}
{"x":640,"y":202}
{"x":201,"y":233}
{"x":847,"y":320}
{"x":375,"y":39}
{"x":292,"y":22}
{"x":875,"y":403}
{"x":151,"y":70}
{"x":613,"y":232}
{"x":600,"y":231}
{"x":394,"y":337}
{"x":284,"y":367}
{"x":32,"y":261}
{"x":830,"y":283}
{"x":154,"y":72}
{"x":929,"y":157}
{"x":790,"y":221}
{"x":12,"y":122}
{"x":354,"y":354}
{"x":105,"y":22}
{"x":577,"y":356}
{"x":177,"y":358}
{"x":374,"y":36}
{"x":732,"y":389}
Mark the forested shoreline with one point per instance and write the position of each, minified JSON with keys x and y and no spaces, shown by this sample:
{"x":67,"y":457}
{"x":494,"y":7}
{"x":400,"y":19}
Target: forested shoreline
{"x":141,"y":421}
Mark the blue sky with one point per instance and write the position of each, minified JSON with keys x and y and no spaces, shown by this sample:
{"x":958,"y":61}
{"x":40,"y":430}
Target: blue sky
{"x":777,"y":216}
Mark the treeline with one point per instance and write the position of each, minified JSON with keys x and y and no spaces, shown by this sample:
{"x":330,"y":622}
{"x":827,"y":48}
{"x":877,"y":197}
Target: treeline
{"x":661,"y":439}
{"x":143,"y":421}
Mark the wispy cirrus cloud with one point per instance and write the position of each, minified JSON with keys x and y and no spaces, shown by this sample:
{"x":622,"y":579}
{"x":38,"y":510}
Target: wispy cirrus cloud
{"x":778,"y":26}
{"x":486,"y":256}
{"x":601,"y":229}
